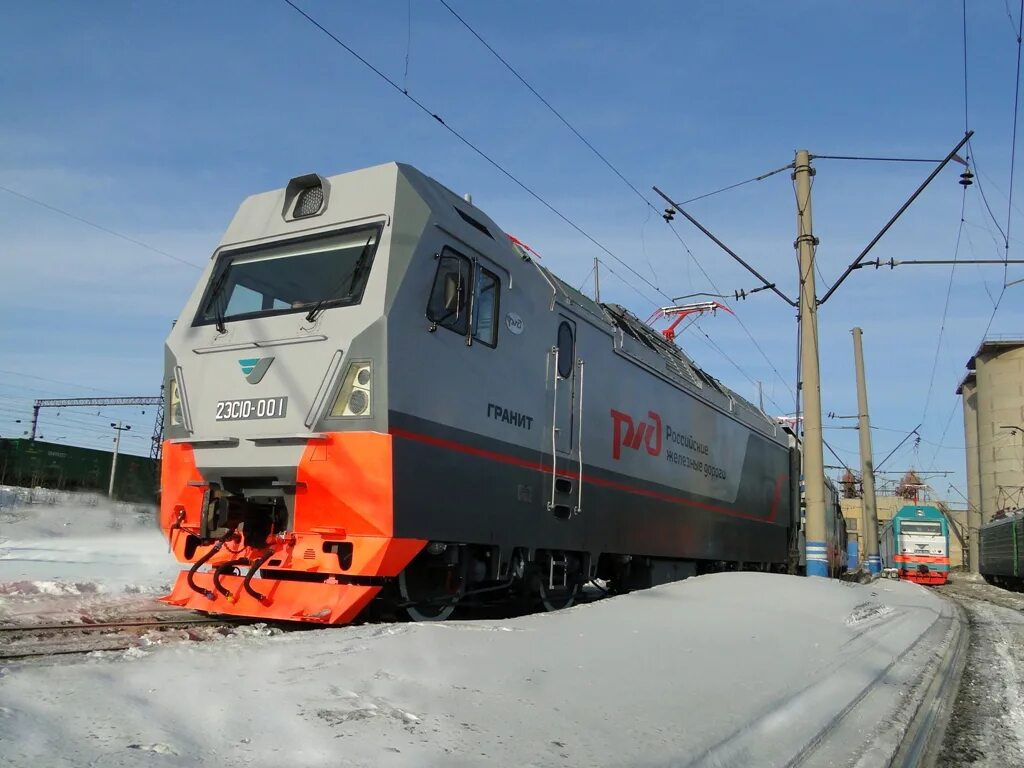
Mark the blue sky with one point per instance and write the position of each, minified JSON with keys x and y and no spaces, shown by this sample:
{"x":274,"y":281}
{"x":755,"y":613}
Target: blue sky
{"x":157,"y":119}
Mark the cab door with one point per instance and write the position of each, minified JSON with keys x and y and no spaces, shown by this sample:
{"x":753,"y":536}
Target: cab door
{"x":563,"y":471}
{"x":563,"y":381}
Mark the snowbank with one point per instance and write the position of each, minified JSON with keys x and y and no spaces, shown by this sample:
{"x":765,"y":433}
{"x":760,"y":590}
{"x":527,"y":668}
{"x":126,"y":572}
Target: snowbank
{"x":731,"y":669}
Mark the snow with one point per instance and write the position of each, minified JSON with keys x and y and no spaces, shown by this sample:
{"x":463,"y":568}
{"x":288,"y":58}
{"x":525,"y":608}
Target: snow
{"x":987,"y":725}
{"x":76,"y":557}
{"x":730,"y":669}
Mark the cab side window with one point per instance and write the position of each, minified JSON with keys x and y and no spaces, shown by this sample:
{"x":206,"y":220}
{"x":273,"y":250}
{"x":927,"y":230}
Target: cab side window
{"x":485,"y":308}
{"x":448,"y":306}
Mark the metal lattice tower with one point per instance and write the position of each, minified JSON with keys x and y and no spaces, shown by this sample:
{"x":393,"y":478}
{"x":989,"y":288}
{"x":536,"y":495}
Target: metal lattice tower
{"x":156,"y":449}
{"x":94,"y":402}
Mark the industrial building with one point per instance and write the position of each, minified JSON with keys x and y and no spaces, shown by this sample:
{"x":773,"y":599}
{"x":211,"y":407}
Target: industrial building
{"x":34,"y":463}
{"x":993,"y":406}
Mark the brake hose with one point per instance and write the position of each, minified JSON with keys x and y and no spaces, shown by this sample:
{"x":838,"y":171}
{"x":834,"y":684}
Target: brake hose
{"x":200,"y":563}
{"x":221,"y":570}
{"x":267,"y":554}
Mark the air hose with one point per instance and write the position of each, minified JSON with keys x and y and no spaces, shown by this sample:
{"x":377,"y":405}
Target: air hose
{"x":199,"y":564}
{"x":221,"y":570}
{"x":267,"y":554}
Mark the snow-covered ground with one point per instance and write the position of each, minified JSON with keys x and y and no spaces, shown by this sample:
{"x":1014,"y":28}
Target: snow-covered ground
{"x":735,"y":669}
{"x":70,"y":557}
{"x":987,"y":724}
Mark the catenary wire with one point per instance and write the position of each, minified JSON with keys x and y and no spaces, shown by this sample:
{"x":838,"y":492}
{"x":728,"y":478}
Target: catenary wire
{"x":547,"y":104}
{"x":738,"y":184}
{"x":743,"y":325}
{"x":945,"y":308}
{"x":100,"y":227}
{"x":1013,"y":158}
{"x":483,"y":155}
{"x":877,"y":159}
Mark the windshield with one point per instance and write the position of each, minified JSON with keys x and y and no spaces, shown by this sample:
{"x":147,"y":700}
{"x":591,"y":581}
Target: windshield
{"x":935,"y":528}
{"x":294,"y":277}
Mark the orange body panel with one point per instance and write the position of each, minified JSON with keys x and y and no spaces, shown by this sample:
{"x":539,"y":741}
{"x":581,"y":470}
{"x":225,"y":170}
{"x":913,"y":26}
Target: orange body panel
{"x":177,"y":470}
{"x":908,"y":570}
{"x":931,"y":577}
{"x":343,"y":494}
{"x":926,"y":559}
{"x":283,"y":600}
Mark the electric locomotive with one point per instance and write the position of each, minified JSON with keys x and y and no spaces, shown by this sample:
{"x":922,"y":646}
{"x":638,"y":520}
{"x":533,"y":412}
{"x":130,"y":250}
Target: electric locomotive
{"x":377,"y":396}
{"x":915,"y":544}
{"x":1001,"y":556}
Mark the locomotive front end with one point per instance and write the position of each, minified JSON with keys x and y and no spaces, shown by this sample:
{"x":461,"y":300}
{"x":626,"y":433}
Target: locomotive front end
{"x":276,"y":486}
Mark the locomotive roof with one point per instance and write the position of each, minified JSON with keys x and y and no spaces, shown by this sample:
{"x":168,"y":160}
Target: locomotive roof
{"x":677,"y":363}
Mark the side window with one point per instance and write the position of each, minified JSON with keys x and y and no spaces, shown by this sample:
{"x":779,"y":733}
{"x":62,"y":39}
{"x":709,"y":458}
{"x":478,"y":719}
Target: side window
{"x":449,"y":297}
{"x":485,"y":308}
{"x":565,"y":351}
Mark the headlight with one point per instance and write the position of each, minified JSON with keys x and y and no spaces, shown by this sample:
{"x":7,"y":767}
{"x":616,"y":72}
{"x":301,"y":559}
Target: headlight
{"x":174,"y":405}
{"x":355,"y":397}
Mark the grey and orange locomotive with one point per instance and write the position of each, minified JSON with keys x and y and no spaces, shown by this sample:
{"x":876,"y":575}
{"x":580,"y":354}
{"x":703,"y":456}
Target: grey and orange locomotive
{"x":377,"y":396}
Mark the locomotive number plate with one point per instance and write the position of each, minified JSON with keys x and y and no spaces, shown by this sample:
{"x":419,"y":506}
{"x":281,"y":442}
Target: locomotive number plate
{"x":253,"y":408}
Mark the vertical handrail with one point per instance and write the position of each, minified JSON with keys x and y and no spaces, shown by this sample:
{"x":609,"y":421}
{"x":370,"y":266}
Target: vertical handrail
{"x":554,"y":432}
{"x":579,"y":446}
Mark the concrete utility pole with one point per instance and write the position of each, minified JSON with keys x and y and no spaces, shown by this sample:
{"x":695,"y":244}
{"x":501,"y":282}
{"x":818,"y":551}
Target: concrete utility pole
{"x":869,"y":511}
{"x":117,"y":444}
{"x":813,"y":448}
{"x":597,"y":282}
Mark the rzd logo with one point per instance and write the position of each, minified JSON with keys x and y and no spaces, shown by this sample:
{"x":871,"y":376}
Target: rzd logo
{"x":630,"y":435}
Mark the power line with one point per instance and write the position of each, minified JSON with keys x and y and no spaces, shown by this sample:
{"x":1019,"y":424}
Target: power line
{"x":51,"y":381}
{"x":984,"y":197}
{"x":547,"y":104}
{"x":1013,"y":159}
{"x":966,"y":121}
{"x":945,"y":308}
{"x":494,"y":163}
{"x":1013,"y":140}
{"x":100,"y":227}
{"x":762,"y":177}
{"x":959,"y":233}
{"x":877,"y":159}
{"x":878,"y":466}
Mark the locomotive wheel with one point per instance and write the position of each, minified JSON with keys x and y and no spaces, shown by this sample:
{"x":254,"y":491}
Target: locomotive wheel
{"x":554,"y":598}
{"x":558,"y":598}
{"x":429,"y":590}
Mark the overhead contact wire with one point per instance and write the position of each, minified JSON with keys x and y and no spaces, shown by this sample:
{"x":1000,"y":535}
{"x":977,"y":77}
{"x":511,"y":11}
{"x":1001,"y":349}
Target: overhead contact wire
{"x":494,"y":163}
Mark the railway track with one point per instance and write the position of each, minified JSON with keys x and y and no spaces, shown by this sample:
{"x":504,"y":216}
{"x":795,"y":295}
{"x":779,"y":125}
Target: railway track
{"x":34,"y":641}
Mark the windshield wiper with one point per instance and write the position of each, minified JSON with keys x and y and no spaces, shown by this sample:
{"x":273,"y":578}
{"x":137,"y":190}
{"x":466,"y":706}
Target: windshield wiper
{"x":353,"y":275}
{"x":215,"y":302}
{"x":312,"y":315}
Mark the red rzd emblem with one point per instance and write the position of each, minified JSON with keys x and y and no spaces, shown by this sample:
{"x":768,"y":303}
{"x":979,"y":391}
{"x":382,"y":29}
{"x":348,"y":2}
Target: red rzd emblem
{"x":627,"y":434}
